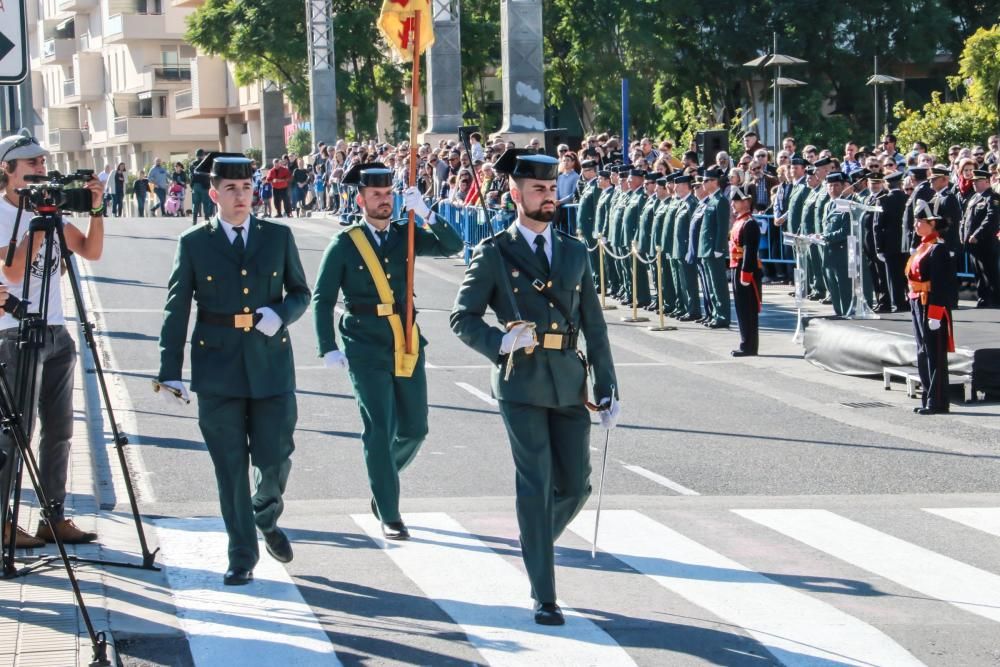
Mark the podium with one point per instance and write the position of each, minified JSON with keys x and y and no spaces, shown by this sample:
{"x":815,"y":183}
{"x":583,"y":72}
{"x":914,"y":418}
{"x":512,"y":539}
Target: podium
{"x":859,"y":309}
{"x":800,"y":246}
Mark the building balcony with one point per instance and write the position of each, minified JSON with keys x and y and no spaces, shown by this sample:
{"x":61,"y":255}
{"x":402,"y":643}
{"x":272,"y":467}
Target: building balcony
{"x":77,"y":6}
{"x":58,"y":50}
{"x":143,"y":129}
{"x":206,"y":98}
{"x":129,"y":27}
{"x":77,"y":91}
{"x":65,"y":140}
{"x":186,"y":3}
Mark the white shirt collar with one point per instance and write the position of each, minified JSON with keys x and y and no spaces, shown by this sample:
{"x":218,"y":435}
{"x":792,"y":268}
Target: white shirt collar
{"x":374,"y":231}
{"x":231,"y":235}
{"x":529,"y":236}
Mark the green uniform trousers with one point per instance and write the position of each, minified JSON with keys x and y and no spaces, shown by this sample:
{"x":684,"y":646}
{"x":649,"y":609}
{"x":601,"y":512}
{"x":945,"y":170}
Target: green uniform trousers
{"x":551,"y":448}
{"x":680,"y":304}
{"x":642,"y":296}
{"x":689,"y":281}
{"x":239,"y":432}
{"x":625,"y":272}
{"x":612,"y":278}
{"x":200,"y":201}
{"x":718,"y":287}
{"x":815,"y":273}
{"x":838,"y":281}
{"x":394,"y":419}
{"x":666,"y":284}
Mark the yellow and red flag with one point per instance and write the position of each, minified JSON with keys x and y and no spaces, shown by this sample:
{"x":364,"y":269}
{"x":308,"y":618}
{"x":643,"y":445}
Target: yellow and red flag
{"x":396,"y":21}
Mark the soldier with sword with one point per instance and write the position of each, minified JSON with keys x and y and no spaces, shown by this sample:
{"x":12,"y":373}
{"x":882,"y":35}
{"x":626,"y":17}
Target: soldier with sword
{"x":539,"y":283}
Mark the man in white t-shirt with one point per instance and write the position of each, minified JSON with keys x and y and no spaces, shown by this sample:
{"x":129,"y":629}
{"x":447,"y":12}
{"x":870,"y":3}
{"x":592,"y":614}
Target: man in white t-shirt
{"x":20,"y":156}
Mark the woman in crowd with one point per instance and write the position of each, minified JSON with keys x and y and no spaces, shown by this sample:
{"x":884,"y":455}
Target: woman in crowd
{"x":118,"y":190}
{"x":141,"y":189}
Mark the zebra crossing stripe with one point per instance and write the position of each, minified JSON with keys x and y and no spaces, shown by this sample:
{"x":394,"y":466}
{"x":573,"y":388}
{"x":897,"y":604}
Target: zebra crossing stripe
{"x":986,"y":519}
{"x":922,"y":570}
{"x":796,"y":628}
{"x":489,"y":597}
{"x":263,"y":623}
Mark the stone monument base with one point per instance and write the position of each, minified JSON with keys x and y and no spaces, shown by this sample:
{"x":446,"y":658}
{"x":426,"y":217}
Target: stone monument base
{"x":520,"y":139}
{"x":433,"y":138}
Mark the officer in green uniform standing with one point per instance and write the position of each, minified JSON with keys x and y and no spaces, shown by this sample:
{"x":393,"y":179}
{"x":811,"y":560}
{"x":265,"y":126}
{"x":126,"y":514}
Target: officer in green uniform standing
{"x":586,"y":212}
{"x":366,"y":263}
{"x":836,"y":228}
{"x":792,"y":219}
{"x":609,"y":185}
{"x":247,"y":279}
{"x":686,"y":268}
{"x":537,"y":280}
{"x":631,"y":222}
{"x":713,"y":249}
{"x":661,"y":204}
{"x":616,"y":232}
{"x":200,"y":185}
{"x":811,"y":225}
{"x":647,"y":247}
{"x":823,"y":167}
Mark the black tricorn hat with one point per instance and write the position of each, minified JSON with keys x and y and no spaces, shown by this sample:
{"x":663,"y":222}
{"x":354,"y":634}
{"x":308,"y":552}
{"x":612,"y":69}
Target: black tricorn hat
{"x":368,"y":174}
{"x":234,"y":166}
{"x":740,"y":194}
{"x":524,"y":163}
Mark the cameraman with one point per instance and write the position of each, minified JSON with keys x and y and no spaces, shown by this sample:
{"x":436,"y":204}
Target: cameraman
{"x":21,"y":156}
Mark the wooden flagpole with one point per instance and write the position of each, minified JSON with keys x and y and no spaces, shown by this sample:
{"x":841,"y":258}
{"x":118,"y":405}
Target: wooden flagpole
{"x":414,"y":119}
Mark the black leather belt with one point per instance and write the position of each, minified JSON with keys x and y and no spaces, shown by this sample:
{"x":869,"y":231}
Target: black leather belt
{"x":558,"y":341}
{"x":238,"y":321}
{"x":378,"y":309}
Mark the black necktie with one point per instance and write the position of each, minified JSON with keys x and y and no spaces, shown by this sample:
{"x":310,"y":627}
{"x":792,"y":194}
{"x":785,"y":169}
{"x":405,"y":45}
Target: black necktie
{"x":383,"y":236}
{"x":238,"y":241}
{"x":540,"y":252}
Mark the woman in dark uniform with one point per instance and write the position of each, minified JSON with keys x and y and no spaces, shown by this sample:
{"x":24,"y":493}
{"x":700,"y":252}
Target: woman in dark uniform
{"x":744,"y":241}
{"x":933,"y":293}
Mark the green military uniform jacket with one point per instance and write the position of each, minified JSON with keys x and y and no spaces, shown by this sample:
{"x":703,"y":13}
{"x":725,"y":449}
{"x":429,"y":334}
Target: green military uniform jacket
{"x":227,"y":361}
{"x":714,"y":234}
{"x":819,"y":214}
{"x":586,"y":211}
{"x":836,"y":227}
{"x":682,"y":225}
{"x":647,"y":242}
{"x":367,"y":338}
{"x":796,"y":201}
{"x":546,"y":378}
{"x":603,"y":213}
{"x":810,"y":222}
{"x":630,"y":221}
{"x":662,"y":232}
{"x":616,"y":218}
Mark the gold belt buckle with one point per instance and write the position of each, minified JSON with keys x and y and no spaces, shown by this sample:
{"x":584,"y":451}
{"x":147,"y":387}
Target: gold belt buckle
{"x":243,"y":321}
{"x":551,"y":341}
{"x":383,"y":309}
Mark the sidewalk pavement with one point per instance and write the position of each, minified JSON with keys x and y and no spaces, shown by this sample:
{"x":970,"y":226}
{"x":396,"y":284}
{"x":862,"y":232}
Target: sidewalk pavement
{"x":43,"y":625}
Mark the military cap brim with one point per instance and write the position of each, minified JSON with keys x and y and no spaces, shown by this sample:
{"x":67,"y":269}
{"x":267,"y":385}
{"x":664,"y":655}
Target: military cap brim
{"x":234,"y":166}
{"x":525,"y":163}
{"x":368,"y":174}
{"x":712,"y":174}
{"x":940,"y":172}
{"x":738,"y":194}
{"x":686,"y":179}
{"x":894,"y":176}
{"x":919,"y":172}
{"x":980,"y":174}
{"x":588,"y":164}
{"x":858,"y":175}
{"x":604,"y":173}
{"x":663,"y":180}
{"x":799,"y":162}
{"x":652,"y":176}
{"x":836,"y":177}
{"x":822,"y":162}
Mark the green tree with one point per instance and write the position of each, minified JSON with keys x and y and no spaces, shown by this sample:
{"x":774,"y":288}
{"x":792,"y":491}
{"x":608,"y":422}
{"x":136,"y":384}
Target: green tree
{"x":300,"y":142}
{"x":979,"y":67}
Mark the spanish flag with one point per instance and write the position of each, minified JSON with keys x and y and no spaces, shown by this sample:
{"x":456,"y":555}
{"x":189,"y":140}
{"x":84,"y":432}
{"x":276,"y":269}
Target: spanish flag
{"x":396,"y":23}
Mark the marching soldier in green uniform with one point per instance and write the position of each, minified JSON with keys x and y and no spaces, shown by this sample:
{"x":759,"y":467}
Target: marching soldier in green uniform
{"x":609,"y":183}
{"x":686,"y":268}
{"x":247,"y":279}
{"x":713,"y":250}
{"x":836,"y":228}
{"x":366,"y":263}
{"x":632,"y":226}
{"x":537,"y":280}
{"x":586,"y":212}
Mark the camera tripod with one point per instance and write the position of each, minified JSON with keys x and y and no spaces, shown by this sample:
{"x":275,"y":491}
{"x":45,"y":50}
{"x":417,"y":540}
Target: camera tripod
{"x":32,"y":332}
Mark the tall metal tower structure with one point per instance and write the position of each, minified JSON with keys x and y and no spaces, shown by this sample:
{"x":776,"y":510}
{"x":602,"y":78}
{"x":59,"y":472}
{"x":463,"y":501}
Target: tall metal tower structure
{"x":322,"y":72}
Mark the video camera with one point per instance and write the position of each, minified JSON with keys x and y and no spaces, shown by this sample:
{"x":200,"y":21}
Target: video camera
{"x":48,"y":193}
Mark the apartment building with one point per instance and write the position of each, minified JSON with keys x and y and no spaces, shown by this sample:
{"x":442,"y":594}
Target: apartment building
{"x":114,"y":81}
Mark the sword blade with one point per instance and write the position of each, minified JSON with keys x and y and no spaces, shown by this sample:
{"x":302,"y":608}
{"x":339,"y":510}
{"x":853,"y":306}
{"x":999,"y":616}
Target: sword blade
{"x":600,"y":493}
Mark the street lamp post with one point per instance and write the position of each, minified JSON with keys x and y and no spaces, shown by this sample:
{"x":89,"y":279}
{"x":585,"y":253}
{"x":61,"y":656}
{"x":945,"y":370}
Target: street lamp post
{"x":777,"y":60}
{"x":876,"y":80}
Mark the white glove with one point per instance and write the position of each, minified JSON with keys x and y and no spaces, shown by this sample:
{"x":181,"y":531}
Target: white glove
{"x":881,"y":257}
{"x":718,"y":254}
{"x":414,"y":201}
{"x":745,"y":283}
{"x":610,"y":410}
{"x":517,"y":338}
{"x":336,"y":359}
{"x":933,"y":325}
{"x":170,"y":397}
{"x":269,"y":322}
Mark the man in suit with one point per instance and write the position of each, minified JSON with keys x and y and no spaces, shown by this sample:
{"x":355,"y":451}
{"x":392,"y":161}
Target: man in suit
{"x":367,"y":264}
{"x":979,"y":235}
{"x":946,"y":206}
{"x":537,"y":282}
{"x":247,"y":279}
{"x":887,"y":228}
{"x":875,"y":267}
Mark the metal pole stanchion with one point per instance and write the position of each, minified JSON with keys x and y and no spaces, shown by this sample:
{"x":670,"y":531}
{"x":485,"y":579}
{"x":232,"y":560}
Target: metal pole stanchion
{"x":600,"y":250}
{"x":659,"y":294}
{"x":635,"y":298}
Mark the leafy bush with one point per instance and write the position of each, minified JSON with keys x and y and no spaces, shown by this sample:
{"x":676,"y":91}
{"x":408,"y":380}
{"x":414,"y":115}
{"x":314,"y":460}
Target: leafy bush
{"x":301,"y":142}
{"x":943,"y":124}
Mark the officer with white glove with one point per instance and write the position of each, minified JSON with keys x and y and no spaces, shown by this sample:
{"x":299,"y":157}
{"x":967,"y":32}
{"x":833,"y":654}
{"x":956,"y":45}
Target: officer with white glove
{"x":179,"y":395}
{"x":336,"y":359}
{"x":414,"y":201}
{"x":609,"y":413}
{"x":518,"y":338}
{"x":270,"y":323}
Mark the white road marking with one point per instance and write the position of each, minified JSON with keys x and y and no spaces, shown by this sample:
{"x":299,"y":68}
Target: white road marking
{"x":930,"y":573}
{"x":481,"y":395}
{"x":986,"y":519}
{"x":795,"y":627}
{"x":263,"y":623}
{"x":492,"y":607}
{"x":661,"y":480}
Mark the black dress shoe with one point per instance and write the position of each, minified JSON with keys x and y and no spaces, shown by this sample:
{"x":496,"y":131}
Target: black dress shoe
{"x":703,"y":320}
{"x":395,"y":530}
{"x":375,"y":509}
{"x":741,"y":353}
{"x":237,"y":576}
{"x":932,"y":411}
{"x":718,"y":324}
{"x":917,"y":409}
{"x":278,"y":545}
{"x":687,"y":318}
{"x":548,"y":613}
{"x":826,"y":301}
